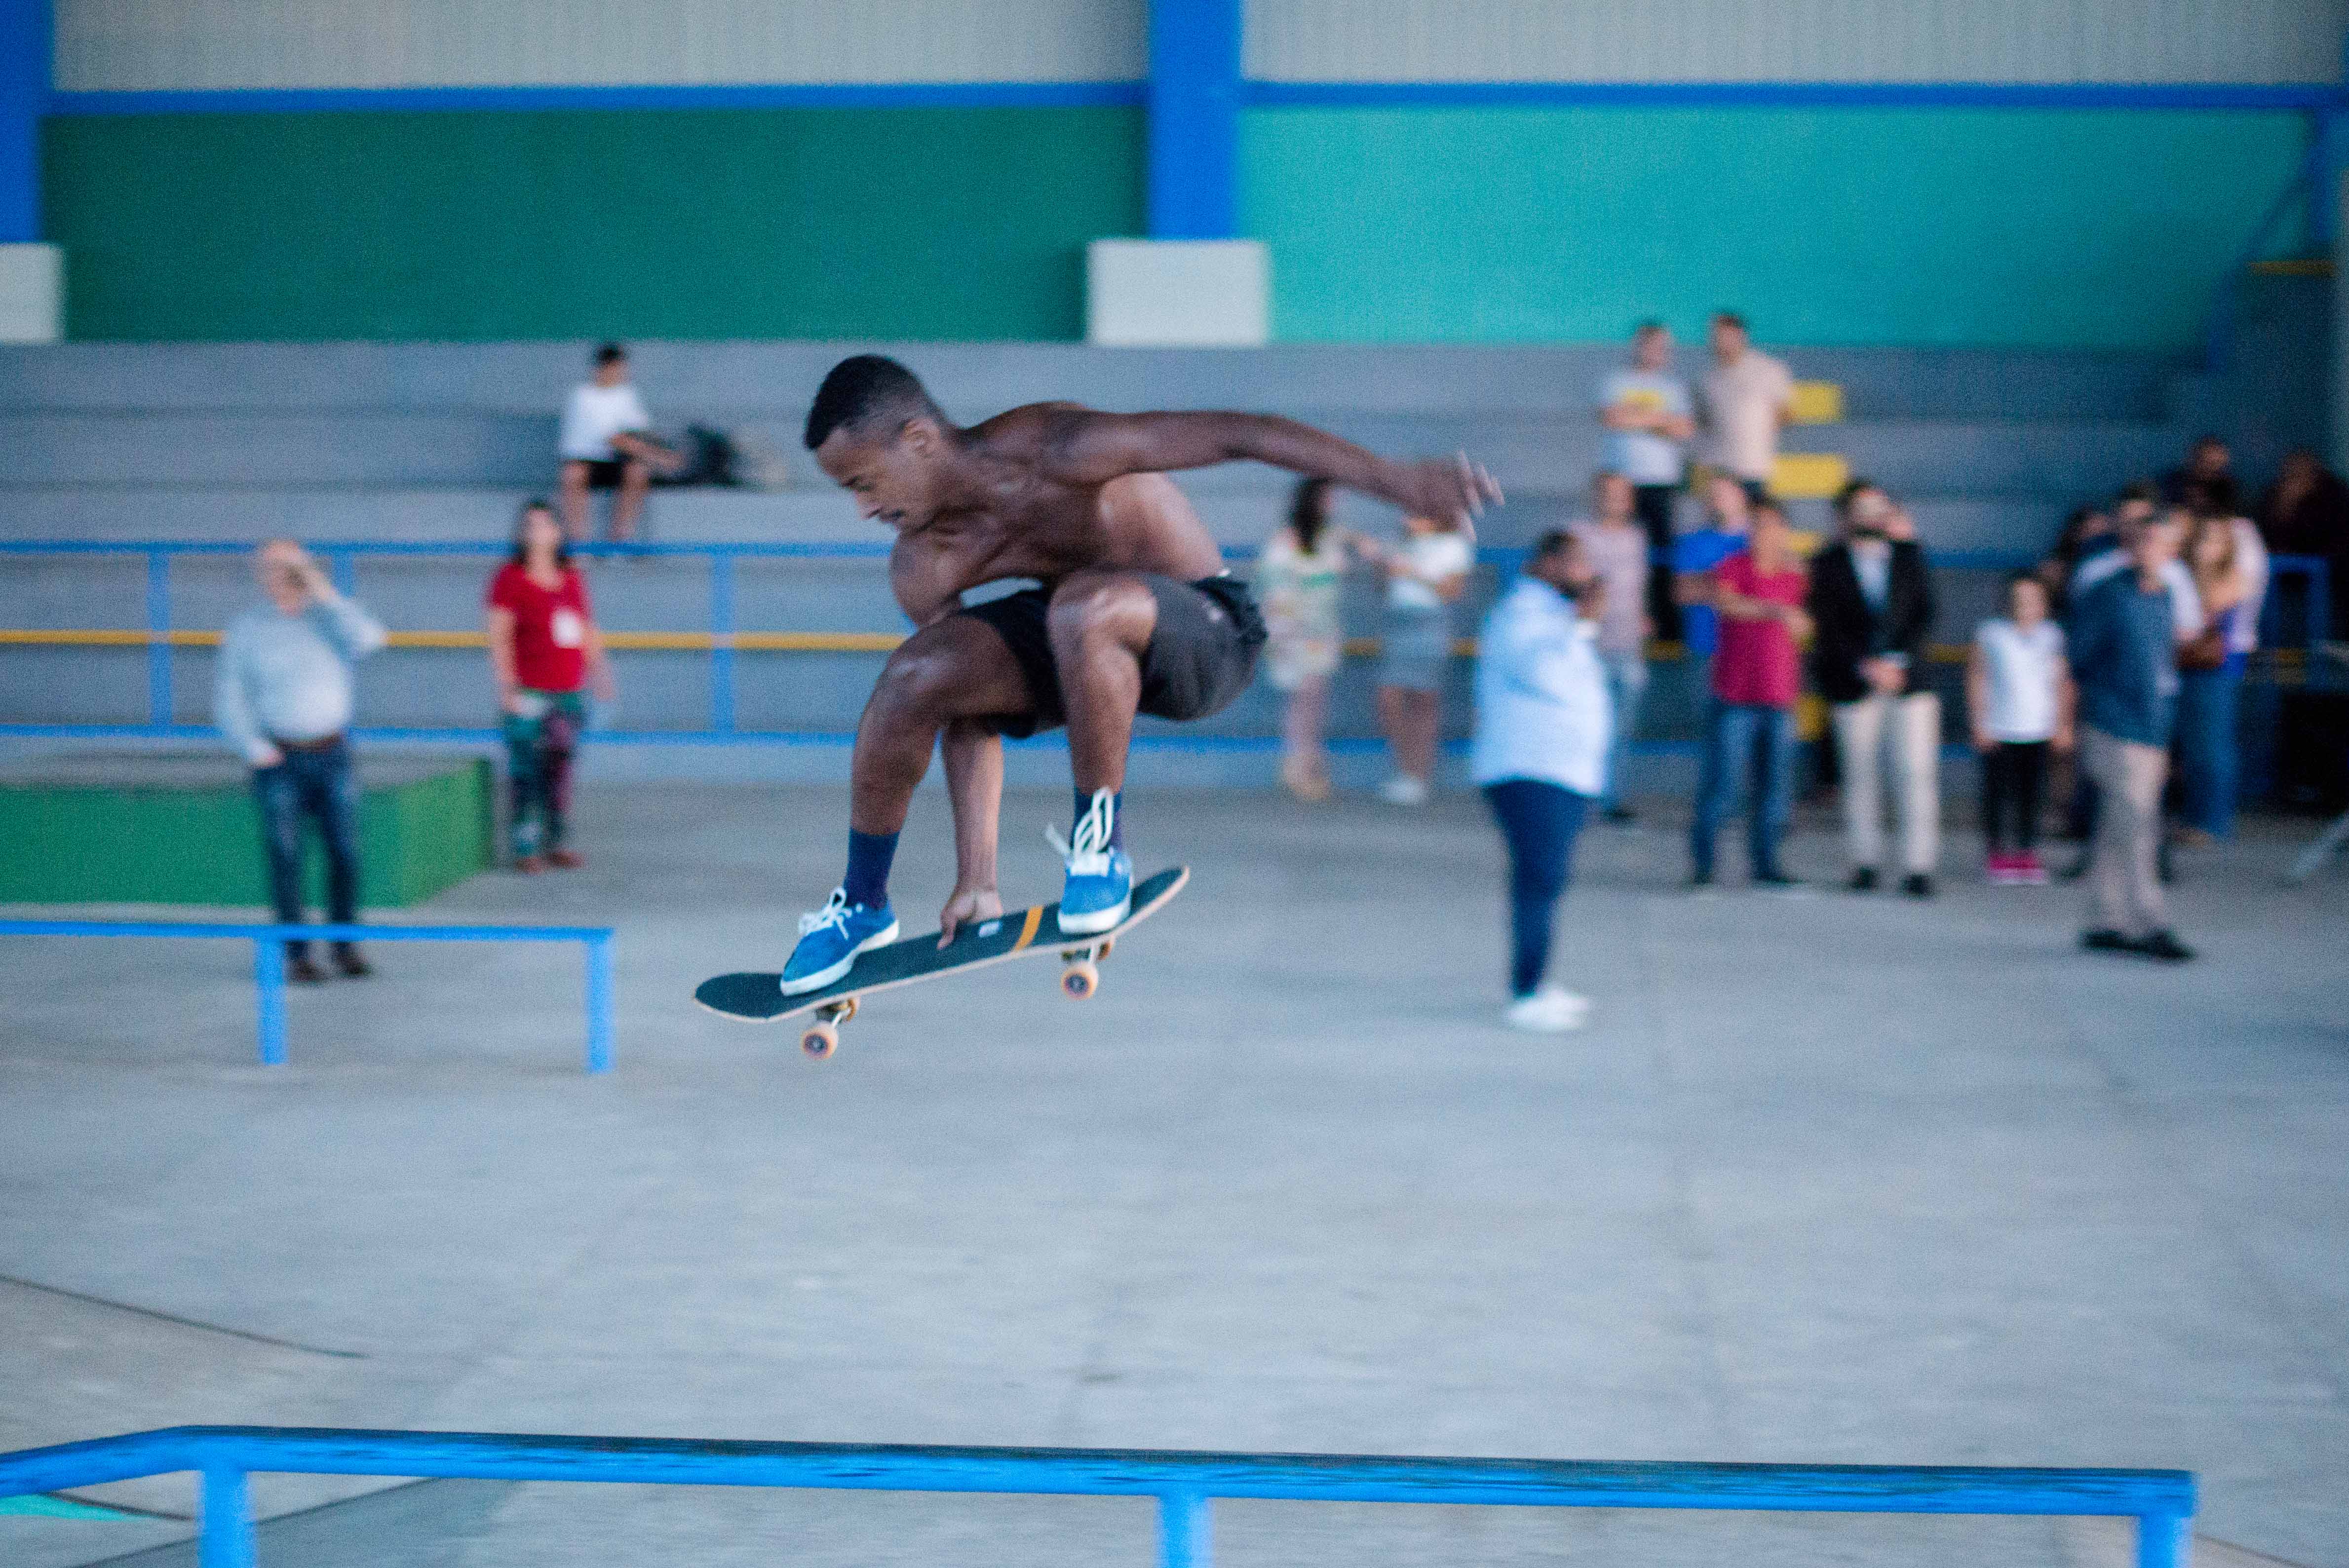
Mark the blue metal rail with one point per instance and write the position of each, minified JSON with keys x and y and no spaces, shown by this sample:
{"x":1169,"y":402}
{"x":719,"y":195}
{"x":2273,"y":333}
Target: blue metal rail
{"x":342,"y":556}
{"x":269,"y":961}
{"x":2161,"y":1501}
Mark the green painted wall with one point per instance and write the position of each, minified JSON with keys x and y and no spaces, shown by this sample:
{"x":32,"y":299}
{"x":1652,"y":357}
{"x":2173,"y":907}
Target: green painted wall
{"x":2058,"y":229}
{"x":72,"y":844}
{"x":925,"y":223}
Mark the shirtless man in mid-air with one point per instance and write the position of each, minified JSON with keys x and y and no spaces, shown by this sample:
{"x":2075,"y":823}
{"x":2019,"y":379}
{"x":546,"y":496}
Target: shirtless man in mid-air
{"x":1136,"y":614}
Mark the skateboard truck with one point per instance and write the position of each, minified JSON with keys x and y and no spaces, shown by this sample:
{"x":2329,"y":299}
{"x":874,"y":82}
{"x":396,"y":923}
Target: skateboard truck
{"x":821,"y":1038}
{"x":1081,"y":978}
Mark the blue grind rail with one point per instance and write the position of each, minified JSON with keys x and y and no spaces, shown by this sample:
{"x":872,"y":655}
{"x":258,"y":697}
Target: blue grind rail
{"x":269,"y":961}
{"x":342,"y":556}
{"x":2162,"y":1502}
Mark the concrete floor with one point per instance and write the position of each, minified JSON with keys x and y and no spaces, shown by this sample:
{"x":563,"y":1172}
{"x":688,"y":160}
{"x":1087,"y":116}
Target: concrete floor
{"x":1829,"y":1179}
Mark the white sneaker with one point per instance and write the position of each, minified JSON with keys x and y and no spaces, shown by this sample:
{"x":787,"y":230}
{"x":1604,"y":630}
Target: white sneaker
{"x":1572,"y":1001}
{"x":1548,"y":1011}
{"x":1403,"y":790}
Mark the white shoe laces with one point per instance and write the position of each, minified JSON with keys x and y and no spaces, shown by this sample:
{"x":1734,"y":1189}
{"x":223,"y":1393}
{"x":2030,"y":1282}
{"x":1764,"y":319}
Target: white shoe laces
{"x":833,"y":913}
{"x":1087,"y":850}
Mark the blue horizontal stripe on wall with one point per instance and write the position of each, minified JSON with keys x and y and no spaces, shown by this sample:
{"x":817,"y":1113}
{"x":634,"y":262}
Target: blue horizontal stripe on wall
{"x":744,"y":95}
{"x":1258,"y":94}
{"x":1795,"y":95}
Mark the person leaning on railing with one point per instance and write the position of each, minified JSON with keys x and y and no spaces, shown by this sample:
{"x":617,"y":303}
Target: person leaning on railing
{"x":545,"y":653}
{"x":282,"y":696}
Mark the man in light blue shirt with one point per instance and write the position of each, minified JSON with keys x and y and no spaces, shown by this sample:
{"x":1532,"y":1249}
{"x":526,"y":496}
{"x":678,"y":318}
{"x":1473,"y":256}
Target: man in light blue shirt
{"x":281,"y":697}
{"x":1543,"y":728}
{"x":1650,"y":419}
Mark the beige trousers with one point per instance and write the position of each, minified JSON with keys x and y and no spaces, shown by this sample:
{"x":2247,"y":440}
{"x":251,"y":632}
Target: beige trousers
{"x":2124,"y":881}
{"x":1904,"y":734}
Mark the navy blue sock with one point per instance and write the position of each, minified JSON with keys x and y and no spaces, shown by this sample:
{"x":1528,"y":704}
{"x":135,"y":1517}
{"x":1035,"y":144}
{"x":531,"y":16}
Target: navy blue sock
{"x":1116,"y":815}
{"x":869,"y":854}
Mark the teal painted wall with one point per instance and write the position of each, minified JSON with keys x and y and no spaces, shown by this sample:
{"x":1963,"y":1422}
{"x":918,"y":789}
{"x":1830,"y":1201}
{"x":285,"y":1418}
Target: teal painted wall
{"x":2058,"y":229}
{"x":923,"y":224}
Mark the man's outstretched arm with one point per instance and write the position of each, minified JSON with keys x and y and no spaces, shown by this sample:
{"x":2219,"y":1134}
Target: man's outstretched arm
{"x":1089,"y":447}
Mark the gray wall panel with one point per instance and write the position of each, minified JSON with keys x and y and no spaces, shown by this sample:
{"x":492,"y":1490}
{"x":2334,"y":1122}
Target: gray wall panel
{"x":209,"y":45}
{"x":1797,"y":40}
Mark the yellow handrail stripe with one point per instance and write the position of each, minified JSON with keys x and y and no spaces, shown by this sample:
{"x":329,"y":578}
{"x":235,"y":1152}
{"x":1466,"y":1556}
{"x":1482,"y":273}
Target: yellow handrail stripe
{"x":741,"y":642}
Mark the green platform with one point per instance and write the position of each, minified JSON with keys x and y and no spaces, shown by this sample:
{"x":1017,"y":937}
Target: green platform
{"x":181,"y":828}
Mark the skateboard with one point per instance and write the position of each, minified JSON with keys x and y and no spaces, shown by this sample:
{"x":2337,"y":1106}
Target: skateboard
{"x":759,"y":999}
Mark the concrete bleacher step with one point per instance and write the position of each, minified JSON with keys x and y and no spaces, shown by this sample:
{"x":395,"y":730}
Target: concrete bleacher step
{"x":689,"y":379}
{"x":407,"y":447}
{"x":1543,"y":452}
{"x":1239,"y":518}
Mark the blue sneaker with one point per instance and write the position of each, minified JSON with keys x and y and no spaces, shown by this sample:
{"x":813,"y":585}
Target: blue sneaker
{"x":1099,"y":889}
{"x":830,"y":940}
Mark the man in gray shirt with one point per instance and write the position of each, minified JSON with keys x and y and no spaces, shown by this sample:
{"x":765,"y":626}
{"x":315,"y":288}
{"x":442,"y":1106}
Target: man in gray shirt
{"x":282,"y":699}
{"x":1616,"y":545}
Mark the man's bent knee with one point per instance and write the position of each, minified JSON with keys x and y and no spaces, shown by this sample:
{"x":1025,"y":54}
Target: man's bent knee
{"x":925,"y":676}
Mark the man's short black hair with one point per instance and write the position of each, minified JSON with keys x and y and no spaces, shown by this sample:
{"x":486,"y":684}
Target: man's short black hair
{"x":2138,"y":490}
{"x":1550,"y":543}
{"x":609,"y":354}
{"x":862,"y":390}
{"x":1647,"y":326}
{"x":1729,"y":318}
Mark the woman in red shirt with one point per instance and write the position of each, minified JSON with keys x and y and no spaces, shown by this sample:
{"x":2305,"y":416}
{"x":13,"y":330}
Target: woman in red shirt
{"x":544,"y":650}
{"x":1757,"y":675}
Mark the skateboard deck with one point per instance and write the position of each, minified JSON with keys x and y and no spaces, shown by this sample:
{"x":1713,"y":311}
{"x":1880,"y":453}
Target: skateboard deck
{"x":757,"y":998}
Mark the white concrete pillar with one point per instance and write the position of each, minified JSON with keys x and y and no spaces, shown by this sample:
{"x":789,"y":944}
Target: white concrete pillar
{"x":1178,"y":293}
{"x":32,"y":294}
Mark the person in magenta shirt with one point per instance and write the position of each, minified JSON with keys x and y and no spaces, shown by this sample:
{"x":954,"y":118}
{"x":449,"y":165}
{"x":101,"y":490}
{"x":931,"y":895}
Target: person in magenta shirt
{"x":544,"y":651}
{"x":1758,"y":595}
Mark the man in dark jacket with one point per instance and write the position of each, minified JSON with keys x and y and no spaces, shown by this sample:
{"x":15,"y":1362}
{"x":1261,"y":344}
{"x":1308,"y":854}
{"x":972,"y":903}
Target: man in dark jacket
{"x":1872,"y":598}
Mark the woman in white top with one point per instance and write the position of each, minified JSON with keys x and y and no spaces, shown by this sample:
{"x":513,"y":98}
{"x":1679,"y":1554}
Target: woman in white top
{"x":2019,"y":694}
{"x":1426,"y":575}
{"x":1543,"y":724}
{"x":1299,"y":574}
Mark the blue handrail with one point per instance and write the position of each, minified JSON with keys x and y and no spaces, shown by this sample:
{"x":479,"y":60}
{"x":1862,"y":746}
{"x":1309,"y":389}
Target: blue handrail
{"x":269,"y":960}
{"x":2162,"y":1502}
{"x":342,"y":554}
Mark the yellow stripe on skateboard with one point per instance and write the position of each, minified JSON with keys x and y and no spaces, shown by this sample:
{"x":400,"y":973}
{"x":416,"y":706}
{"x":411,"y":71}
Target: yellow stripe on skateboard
{"x":1027,"y":929}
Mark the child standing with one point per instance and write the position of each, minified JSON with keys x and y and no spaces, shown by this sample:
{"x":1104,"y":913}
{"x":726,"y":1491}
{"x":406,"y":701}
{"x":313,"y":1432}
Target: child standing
{"x":2018,"y":693}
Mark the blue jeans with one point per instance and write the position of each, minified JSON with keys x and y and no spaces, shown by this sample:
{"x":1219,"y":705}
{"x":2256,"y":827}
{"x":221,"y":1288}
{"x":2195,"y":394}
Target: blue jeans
{"x":1627,"y":682}
{"x":318,"y":785}
{"x":1539,"y":819}
{"x":1738,"y":738}
{"x":2208,"y":759}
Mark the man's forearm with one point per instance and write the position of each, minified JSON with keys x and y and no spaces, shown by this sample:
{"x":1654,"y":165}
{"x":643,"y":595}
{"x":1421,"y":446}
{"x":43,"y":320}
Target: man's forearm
{"x":973,"y":759}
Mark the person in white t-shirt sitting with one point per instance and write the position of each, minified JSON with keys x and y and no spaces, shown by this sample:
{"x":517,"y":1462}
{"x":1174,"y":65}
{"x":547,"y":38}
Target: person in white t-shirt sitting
{"x":1745,"y":399}
{"x":2020,"y":697}
{"x":607,"y":444}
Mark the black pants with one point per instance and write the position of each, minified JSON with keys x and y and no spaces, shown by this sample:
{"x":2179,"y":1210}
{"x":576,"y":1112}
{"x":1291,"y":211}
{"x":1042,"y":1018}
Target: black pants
{"x":315,"y":786}
{"x":1653,"y":503}
{"x":2013,"y":786}
{"x":1540,"y":821}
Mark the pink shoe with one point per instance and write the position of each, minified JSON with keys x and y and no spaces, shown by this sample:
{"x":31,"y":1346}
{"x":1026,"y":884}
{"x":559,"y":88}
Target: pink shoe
{"x":2000,"y":869}
{"x":2028,"y":871}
